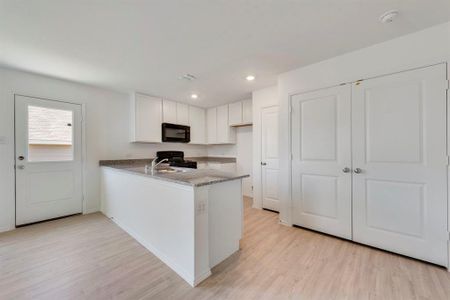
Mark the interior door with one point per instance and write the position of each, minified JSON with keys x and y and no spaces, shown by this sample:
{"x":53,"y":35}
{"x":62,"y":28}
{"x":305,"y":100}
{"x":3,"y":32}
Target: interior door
{"x":321,"y":160}
{"x":400,"y":163}
{"x":48,"y":159}
{"x":269,"y":158}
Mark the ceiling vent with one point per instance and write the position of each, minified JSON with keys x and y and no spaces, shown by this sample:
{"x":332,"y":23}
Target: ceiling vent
{"x":389,"y":16}
{"x":188,"y":77}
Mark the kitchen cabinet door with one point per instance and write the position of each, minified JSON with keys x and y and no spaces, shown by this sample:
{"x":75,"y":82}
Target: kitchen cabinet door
{"x":169,"y":112}
{"x":182,"y":114}
{"x":146,"y":119}
{"x":211,"y":122}
{"x":197,"y":121}
{"x":247,"y":115}
{"x":235,"y":113}
{"x":225,"y":134}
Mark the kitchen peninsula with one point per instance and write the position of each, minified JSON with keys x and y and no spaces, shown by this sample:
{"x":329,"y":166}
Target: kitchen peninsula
{"x":191,"y":219}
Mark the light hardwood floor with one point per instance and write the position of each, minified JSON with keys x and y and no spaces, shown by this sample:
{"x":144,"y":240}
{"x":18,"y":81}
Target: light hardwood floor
{"x":89,"y":257}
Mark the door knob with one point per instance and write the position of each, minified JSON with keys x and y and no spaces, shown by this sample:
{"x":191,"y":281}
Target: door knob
{"x":357,"y":171}
{"x":263,"y":164}
{"x":346,"y":170}
{"x":21,"y":158}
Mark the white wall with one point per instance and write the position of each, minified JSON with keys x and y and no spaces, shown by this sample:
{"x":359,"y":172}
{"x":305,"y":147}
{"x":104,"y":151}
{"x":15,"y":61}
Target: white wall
{"x":419,"y":49}
{"x":222,"y":150}
{"x":107,"y":130}
{"x":263,"y":98}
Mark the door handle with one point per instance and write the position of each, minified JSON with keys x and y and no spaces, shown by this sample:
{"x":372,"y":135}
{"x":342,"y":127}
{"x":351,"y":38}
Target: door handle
{"x":358,"y":171}
{"x":21,"y":158}
{"x":263,"y":164}
{"x":346,"y":170}
{"x":20,"y":167}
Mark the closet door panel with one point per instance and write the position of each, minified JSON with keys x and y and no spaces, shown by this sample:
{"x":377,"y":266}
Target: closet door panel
{"x":399,"y":146}
{"x":321,"y":149}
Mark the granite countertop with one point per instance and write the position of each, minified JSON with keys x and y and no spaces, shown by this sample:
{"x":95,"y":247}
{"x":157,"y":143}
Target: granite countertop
{"x":185,"y":176}
{"x":138,"y":161}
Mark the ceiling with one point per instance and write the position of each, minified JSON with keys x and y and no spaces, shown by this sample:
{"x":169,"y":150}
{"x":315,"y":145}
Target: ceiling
{"x":145,"y":46}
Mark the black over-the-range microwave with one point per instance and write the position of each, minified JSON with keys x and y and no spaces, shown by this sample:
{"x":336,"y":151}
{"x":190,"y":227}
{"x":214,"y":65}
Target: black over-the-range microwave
{"x":175,"y":133}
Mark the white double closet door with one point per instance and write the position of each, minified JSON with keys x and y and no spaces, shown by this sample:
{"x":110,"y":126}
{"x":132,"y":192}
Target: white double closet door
{"x":370,"y":162}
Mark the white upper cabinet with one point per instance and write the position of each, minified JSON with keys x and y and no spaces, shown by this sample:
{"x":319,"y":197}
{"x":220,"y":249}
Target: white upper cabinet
{"x":225,"y":134}
{"x":211,"y":126}
{"x":197,"y":122}
{"x":247,"y":111}
{"x":146,"y":118}
{"x":222,"y":124}
{"x":240,"y":113}
{"x":211,"y":123}
{"x":169,"y":112}
{"x":175,"y":112}
{"x":235,"y":113}
{"x":182,"y":114}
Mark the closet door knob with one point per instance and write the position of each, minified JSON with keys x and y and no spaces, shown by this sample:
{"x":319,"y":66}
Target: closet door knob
{"x":357,"y":171}
{"x":346,"y":170}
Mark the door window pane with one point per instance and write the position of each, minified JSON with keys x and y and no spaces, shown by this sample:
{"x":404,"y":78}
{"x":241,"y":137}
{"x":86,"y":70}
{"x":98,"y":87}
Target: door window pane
{"x":50,"y":133}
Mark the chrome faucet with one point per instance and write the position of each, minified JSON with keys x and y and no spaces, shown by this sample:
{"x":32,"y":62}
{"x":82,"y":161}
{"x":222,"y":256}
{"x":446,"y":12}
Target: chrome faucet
{"x":154,"y":165}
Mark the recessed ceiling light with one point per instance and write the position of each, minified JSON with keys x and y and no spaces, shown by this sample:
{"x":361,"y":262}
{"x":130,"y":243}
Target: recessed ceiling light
{"x":194,"y":96}
{"x":389,"y":16}
{"x":250,"y":78}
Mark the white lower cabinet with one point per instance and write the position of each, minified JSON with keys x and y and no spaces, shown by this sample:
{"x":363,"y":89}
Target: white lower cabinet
{"x":369,"y":162}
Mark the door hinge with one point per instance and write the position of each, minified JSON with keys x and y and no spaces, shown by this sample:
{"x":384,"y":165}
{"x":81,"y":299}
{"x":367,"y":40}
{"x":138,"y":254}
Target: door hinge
{"x":290,"y":108}
{"x":448,"y":161}
{"x":447,"y":85}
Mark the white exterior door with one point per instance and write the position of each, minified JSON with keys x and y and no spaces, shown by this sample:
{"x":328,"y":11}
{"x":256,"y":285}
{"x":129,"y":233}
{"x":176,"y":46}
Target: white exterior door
{"x":269,"y":157}
{"x":400,"y":163}
{"x":48,"y":159}
{"x":321,"y":160}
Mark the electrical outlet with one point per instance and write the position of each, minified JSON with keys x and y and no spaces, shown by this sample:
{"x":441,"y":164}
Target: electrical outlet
{"x":201,"y":208}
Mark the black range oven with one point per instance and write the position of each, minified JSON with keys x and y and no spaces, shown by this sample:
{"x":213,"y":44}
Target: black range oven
{"x":175,"y":133}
